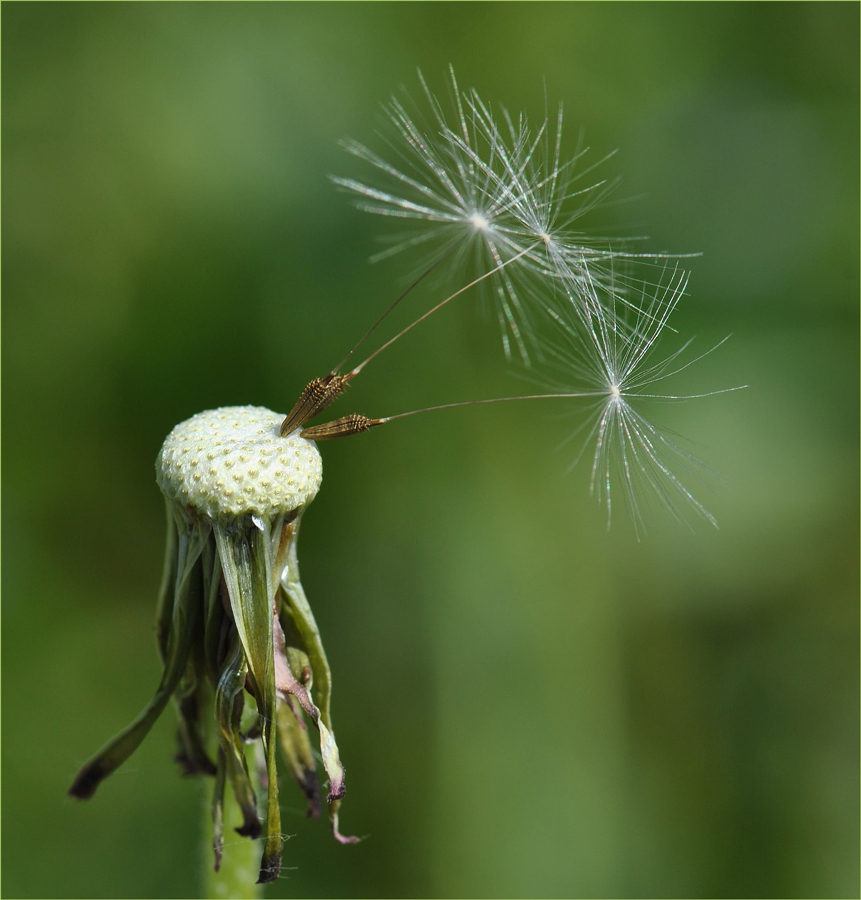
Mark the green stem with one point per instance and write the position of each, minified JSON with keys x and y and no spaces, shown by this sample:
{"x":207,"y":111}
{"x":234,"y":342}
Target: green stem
{"x":240,"y":861}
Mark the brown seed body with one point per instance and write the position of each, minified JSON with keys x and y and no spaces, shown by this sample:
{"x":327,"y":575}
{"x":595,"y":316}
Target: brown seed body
{"x":317,"y":395}
{"x":343,"y":427}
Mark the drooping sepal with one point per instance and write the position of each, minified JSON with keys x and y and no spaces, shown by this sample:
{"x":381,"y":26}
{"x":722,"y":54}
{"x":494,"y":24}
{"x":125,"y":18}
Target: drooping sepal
{"x":184,"y":615}
{"x":297,"y":753}
{"x":229,"y":703}
{"x":302,"y":619}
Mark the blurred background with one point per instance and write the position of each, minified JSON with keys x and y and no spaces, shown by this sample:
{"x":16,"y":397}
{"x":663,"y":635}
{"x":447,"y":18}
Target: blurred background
{"x":526,"y":704}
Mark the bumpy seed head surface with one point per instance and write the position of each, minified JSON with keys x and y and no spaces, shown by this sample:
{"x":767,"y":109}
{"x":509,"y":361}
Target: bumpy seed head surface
{"x":232,"y":461}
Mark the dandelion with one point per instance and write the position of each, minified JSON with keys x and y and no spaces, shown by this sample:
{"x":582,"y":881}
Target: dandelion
{"x":235,"y":631}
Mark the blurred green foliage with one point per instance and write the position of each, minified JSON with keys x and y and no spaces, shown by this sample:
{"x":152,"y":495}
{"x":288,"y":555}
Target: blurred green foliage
{"x":527,"y":705}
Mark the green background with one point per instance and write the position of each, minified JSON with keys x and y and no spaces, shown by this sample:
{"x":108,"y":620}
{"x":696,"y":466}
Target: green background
{"x":526,"y":704}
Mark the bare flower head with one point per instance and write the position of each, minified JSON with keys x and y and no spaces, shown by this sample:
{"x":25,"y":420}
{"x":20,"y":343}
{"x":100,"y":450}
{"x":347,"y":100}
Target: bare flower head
{"x":233,"y":461}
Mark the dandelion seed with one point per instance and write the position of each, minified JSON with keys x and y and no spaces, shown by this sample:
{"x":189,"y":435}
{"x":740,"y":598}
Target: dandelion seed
{"x":609,"y":363}
{"x":620,"y":364}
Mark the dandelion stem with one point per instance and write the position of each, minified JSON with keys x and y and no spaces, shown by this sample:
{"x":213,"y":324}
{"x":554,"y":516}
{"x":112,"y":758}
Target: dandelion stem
{"x":240,"y":859}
